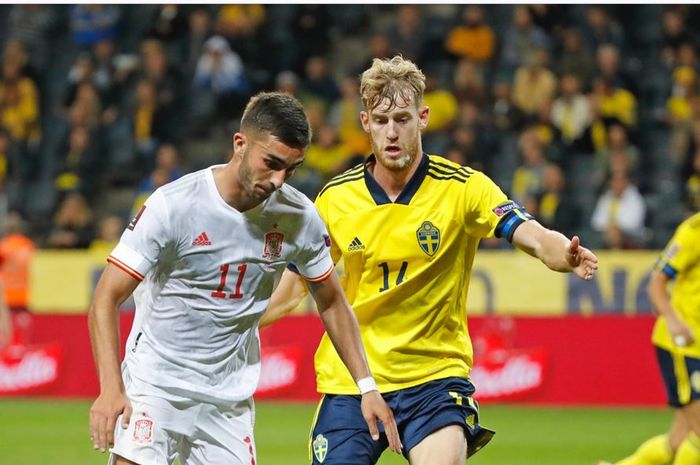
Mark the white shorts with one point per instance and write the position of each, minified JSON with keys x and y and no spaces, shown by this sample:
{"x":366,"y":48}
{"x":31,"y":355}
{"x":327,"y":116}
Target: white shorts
{"x":197,"y":433}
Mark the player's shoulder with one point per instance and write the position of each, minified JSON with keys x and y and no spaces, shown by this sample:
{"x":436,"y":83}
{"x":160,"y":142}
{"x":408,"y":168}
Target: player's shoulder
{"x":442,"y":169}
{"x":183,"y":186}
{"x":692,"y":223}
{"x":345,"y":179}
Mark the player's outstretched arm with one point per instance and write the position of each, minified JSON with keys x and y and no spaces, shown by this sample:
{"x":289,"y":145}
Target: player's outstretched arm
{"x":681,"y":334}
{"x":555,"y":250}
{"x":288,"y":294}
{"x":343,"y":330}
{"x":113,"y":288}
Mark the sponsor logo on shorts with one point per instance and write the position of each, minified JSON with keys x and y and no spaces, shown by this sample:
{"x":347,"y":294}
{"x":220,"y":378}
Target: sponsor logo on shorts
{"x":143,"y":430}
{"x":320,"y":446}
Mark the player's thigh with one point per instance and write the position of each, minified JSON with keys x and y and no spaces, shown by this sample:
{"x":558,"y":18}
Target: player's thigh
{"x":679,"y":430}
{"x":222,"y":435}
{"x":432,"y":406}
{"x":446,"y":446}
{"x":340,"y":435}
{"x":691,"y":413}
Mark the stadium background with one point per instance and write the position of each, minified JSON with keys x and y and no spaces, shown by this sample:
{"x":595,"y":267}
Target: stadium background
{"x":587,"y":115}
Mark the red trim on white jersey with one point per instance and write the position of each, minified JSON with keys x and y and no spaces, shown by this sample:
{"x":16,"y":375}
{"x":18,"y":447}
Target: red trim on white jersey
{"x":126,"y":268}
{"x":323,"y":277}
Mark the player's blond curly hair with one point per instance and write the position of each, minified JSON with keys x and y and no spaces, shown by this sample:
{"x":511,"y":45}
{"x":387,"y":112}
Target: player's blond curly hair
{"x":391,"y":78}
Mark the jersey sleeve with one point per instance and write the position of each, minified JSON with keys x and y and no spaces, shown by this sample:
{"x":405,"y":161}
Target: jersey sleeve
{"x":489,"y":212}
{"x":143,"y":239}
{"x":314,"y":261}
{"x":681,"y":252}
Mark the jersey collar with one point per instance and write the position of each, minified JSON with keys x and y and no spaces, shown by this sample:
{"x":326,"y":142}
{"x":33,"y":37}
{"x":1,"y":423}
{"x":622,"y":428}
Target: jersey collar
{"x":381,"y":198}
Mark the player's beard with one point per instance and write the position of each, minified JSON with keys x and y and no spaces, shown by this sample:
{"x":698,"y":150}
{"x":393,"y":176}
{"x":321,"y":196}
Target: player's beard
{"x":401,"y":163}
{"x":247,"y":180}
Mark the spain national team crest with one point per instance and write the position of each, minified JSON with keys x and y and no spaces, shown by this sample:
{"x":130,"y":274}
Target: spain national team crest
{"x":273,"y":244}
{"x":143,"y":430}
{"x":320,"y":446}
{"x":428,"y":238}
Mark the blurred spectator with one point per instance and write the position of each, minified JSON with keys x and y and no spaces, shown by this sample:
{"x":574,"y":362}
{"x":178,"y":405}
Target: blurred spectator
{"x":318,"y":84}
{"x":167,"y":159}
{"x":473,"y":39}
{"x":32,"y":25}
{"x":73,"y":224}
{"x":610,"y":102}
{"x":220,"y":71}
{"x":608,"y":63}
{"x":93,"y":23}
{"x":466,"y":150}
{"x":168,"y":23}
{"x":521,"y":39}
{"x":505,"y":114}
{"x":442,"y":103}
{"x":200,"y":28}
{"x":158,"y":178}
{"x":327,"y":155}
{"x":109,"y":230}
{"x":554,"y":206}
{"x":19,"y":103}
{"x":468,"y":82}
{"x":78,"y":171}
{"x":619,"y":213}
{"x":344,"y":116}
{"x":576,"y":58}
{"x":571,"y":114}
{"x":16,"y":251}
{"x":673,"y":35}
{"x":287,"y":82}
{"x":167,"y":78}
{"x":310,"y":29}
{"x":601,"y":29}
{"x":407,"y":34}
{"x":618,"y":155}
{"x":148,"y":120}
{"x":679,"y":109}
{"x":239,"y":21}
{"x":534,"y":85}
{"x":529,"y":176}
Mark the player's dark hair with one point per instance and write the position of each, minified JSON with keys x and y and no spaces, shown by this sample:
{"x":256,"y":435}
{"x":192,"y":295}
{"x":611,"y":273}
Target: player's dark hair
{"x":279,"y":114}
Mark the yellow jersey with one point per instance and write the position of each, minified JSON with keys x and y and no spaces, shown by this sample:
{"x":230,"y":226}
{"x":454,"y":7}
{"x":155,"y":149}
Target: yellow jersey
{"x":407,"y":268}
{"x":681,"y":262}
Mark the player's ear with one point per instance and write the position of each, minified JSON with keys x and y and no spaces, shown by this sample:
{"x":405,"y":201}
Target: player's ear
{"x":423,"y":116}
{"x":364,"y":119}
{"x":239,"y":143}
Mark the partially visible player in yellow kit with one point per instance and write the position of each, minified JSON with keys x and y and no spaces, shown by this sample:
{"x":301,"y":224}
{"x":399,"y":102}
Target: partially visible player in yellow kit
{"x":407,"y":225}
{"x":676,"y":337}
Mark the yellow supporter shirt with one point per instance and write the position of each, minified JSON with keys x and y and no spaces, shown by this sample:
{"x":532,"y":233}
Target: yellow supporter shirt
{"x":681,"y":261}
{"x":407,"y":268}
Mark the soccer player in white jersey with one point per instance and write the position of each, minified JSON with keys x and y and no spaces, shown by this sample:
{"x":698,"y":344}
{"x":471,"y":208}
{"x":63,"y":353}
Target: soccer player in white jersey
{"x":202,"y":258}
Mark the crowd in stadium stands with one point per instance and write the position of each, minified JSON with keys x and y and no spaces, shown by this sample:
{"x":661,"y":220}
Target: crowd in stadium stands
{"x":588,"y":115}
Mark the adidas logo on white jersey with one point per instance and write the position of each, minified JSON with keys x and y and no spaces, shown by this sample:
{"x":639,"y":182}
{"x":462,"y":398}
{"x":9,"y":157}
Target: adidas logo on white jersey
{"x":356,"y":245}
{"x":202,"y":239}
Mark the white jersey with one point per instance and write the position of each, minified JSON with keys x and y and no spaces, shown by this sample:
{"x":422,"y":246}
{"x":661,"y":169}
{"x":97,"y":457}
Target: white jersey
{"x":207,"y":273}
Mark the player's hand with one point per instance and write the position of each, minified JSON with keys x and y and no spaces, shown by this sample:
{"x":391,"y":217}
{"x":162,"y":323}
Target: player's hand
{"x":582,"y":261}
{"x":103,"y":416}
{"x":681,"y":334}
{"x":374,"y":408}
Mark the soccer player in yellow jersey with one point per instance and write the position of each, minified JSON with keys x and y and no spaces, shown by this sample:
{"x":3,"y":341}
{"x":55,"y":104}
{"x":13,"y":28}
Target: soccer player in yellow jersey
{"x":675,"y":337}
{"x":407,"y":226}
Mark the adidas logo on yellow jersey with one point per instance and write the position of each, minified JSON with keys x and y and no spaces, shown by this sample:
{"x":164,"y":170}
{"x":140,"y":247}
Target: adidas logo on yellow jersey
{"x":356,"y":245}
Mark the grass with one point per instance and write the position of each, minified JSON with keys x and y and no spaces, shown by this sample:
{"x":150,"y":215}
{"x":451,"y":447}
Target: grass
{"x":42,"y":432}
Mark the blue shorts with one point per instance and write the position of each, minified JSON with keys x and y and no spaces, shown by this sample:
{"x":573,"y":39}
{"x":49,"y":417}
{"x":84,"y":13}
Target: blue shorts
{"x":340,"y":435}
{"x":681,"y":376}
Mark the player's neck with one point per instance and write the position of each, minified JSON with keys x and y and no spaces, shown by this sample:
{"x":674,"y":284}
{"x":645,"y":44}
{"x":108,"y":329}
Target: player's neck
{"x":393,"y":182}
{"x":230,"y":189}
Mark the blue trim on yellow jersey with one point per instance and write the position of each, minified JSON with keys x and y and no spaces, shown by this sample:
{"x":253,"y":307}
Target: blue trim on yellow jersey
{"x":404,"y":198}
{"x":510,"y":222}
{"x":669,"y":271}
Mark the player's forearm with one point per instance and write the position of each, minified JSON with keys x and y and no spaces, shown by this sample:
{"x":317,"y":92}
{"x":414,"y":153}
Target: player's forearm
{"x":103,"y":320}
{"x":547,"y":245}
{"x":287,"y":296}
{"x":343,"y":330}
{"x":659,"y":296}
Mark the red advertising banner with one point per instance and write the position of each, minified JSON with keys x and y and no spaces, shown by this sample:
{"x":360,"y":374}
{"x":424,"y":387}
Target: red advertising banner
{"x":602,"y":360}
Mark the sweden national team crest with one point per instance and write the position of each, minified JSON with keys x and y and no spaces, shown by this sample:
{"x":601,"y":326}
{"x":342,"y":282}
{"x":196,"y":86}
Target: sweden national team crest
{"x":320,"y":446}
{"x":428,"y":238}
{"x":273,"y":244}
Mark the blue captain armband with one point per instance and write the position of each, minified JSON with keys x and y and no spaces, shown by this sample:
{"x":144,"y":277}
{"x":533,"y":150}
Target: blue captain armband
{"x":513,"y":216}
{"x":669,"y":271}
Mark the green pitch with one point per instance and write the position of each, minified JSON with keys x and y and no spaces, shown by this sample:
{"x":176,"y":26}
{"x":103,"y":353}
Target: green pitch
{"x":43,"y":432}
